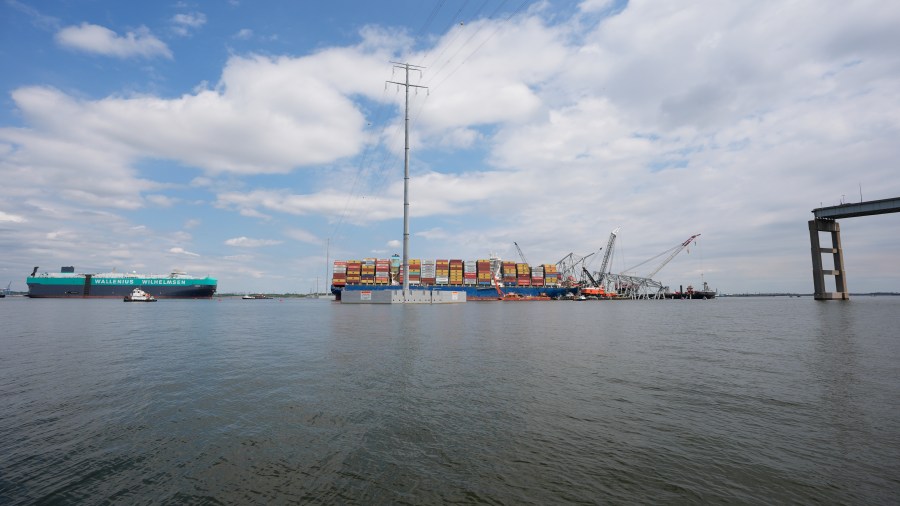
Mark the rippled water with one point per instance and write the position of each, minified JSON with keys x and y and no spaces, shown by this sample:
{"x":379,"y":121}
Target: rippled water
{"x":270,"y":401}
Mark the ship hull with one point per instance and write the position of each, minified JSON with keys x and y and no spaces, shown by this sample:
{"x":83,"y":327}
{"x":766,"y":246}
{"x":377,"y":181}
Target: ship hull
{"x":82,"y":288}
{"x":692,"y":295}
{"x":473,"y":292}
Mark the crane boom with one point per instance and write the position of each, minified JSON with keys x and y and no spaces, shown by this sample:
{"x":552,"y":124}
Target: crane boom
{"x":521,"y":255}
{"x":672,"y":255}
{"x":591,"y":278}
{"x":609,"y":249}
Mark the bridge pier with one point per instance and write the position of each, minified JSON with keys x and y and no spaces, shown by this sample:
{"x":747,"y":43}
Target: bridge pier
{"x":840,"y":279}
{"x":826,"y":222}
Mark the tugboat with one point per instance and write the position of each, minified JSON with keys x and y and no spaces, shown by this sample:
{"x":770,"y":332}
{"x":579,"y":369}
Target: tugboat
{"x":138,"y":295}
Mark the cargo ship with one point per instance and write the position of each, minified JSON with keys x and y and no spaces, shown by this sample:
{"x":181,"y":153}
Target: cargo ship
{"x":485,"y":279}
{"x":69,"y":284}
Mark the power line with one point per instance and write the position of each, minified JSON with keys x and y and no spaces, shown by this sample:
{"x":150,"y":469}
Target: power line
{"x":430,"y":18}
{"x":362,"y":165}
{"x":519,"y":8}
{"x":455,"y":35}
{"x":480,"y":28}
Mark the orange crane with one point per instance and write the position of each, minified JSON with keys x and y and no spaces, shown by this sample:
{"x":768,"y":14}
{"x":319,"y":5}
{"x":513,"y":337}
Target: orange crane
{"x":596,"y":289}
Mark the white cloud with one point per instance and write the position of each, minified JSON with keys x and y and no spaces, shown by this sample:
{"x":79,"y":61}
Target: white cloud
{"x":670,"y":118}
{"x":182,"y":251}
{"x":253,"y":213}
{"x":246,"y":242}
{"x":183,"y":23}
{"x":266,"y":116}
{"x":433,"y":194}
{"x":37,"y":18}
{"x":101,"y":40}
{"x":12,"y":218}
{"x":244,"y":34}
{"x":596,"y":5}
{"x":161,"y":200}
{"x":434,"y":233}
{"x":493,"y":79}
{"x":302,"y":236}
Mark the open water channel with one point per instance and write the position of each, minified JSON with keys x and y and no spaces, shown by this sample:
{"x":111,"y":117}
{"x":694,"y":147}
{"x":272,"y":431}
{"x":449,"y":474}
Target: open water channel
{"x":229,"y":401}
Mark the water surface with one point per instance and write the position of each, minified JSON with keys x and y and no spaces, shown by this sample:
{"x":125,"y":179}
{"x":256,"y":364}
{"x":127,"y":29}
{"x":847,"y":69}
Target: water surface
{"x":755,"y":400}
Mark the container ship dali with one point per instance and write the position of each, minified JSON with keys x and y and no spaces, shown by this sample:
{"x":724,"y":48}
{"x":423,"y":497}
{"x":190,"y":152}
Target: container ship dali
{"x":490,"y":279}
{"x":68,"y":284}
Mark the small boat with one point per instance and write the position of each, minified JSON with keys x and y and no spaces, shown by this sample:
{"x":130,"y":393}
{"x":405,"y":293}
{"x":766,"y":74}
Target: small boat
{"x":255,"y":296}
{"x":138,"y":295}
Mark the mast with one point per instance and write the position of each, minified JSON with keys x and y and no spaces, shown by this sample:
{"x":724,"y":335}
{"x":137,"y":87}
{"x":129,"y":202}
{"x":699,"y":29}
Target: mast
{"x":406,"y":85}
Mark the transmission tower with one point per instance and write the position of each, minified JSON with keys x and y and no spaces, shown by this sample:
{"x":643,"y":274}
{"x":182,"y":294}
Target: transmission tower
{"x":405,"y":84}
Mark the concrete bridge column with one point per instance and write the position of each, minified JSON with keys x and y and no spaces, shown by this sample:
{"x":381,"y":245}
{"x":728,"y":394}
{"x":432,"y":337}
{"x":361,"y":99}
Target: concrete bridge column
{"x":840,"y":293}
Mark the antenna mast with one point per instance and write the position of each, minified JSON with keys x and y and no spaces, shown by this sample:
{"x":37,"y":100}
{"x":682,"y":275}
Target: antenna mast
{"x":406,"y":67}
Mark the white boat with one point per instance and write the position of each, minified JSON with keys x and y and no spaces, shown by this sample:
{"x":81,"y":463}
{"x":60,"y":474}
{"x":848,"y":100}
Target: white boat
{"x":138,"y":295}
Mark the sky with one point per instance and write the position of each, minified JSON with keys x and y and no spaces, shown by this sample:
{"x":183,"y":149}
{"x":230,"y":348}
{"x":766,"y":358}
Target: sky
{"x":257,"y":141}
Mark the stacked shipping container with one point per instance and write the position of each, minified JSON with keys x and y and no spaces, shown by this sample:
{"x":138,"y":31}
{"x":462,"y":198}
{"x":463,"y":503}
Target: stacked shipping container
{"x":537,"y":276}
{"x":442,"y":272}
{"x":367,"y":271}
{"x":353,"y":272}
{"x":470,"y":272}
{"x":371,"y":271}
{"x":428,"y":272}
{"x":551,"y":275}
{"x":456,"y":272}
{"x":523,"y":275}
{"x":339,"y":278}
{"x":415,"y":271}
{"x":483,"y":269}
{"x":382,"y":272}
{"x":509,"y":273}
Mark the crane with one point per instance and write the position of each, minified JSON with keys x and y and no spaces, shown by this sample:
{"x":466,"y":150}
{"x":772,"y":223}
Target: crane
{"x":587,"y":274}
{"x":672,"y":253}
{"x":675,"y":251}
{"x":610,"y":245}
{"x":521,"y":255}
